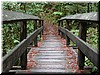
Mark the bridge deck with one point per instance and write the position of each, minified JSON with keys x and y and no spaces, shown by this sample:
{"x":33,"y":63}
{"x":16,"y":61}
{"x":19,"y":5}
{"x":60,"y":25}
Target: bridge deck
{"x":51,"y":55}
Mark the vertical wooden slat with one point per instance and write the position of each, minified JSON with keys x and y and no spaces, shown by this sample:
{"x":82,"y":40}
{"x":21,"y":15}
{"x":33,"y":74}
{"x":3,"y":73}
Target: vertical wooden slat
{"x":67,"y":38}
{"x":82,"y":35}
{"x":35,"y":27}
{"x":23,"y":32}
{"x":42,"y":25}
{"x":62,"y":34}
{"x":23,"y":35}
{"x":58,"y":27}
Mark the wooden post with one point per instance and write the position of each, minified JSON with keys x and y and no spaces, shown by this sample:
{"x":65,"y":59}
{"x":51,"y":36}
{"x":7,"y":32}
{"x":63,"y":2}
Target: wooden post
{"x":58,"y":27}
{"x":35,"y":27}
{"x":43,"y":27}
{"x":67,"y":38}
{"x":62,"y":34}
{"x":40,"y":26}
{"x":23,"y":35}
{"x":82,"y":35}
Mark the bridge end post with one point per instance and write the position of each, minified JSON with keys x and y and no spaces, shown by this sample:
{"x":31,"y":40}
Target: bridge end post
{"x":40,"y":24}
{"x":58,"y":27}
{"x":43,"y":27}
{"x":62,"y":34}
{"x":67,"y":38}
{"x":23,"y":35}
{"x":82,"y":35}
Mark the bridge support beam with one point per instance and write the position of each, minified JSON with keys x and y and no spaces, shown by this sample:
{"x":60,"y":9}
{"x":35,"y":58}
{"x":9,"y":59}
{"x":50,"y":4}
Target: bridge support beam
{"x":82,"y":35}
{"x":23,"y":35}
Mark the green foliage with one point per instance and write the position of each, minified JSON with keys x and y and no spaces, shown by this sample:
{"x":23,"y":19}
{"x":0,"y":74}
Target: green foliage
{"x":57,"y":16}
{"x":30,"y":27}
{"x":92,"y":37}
{"x":10,"y":36}
{"x":88,"y":62}
{"x":92,"y":40}
{"x":95,"y":69}
{"x":75,"y":32}
{"x":50,"y":11}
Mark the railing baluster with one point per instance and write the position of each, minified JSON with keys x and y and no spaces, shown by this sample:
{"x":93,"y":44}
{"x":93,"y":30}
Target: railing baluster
{"x":23,"y":35}
{"x":62,"y":34}
{"x":40,"y":26}
{"x":35,"y":27}
{"x":43,"y":27}
{"x":58,"y":27}
{"x":67,"y":38}
{"x":82,"y":35}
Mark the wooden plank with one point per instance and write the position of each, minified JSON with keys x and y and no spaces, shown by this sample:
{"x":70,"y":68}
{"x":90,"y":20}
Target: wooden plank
{"x":9,"y":16}
{"x":91,"y":17}
{"x":91,"y":53}
{"x":82,"y":35}
{"x":10,"y":58}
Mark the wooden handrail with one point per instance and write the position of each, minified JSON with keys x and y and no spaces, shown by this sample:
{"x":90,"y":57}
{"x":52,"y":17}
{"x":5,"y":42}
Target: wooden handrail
{"x":85,"y":48}
{"x":10,"y":58}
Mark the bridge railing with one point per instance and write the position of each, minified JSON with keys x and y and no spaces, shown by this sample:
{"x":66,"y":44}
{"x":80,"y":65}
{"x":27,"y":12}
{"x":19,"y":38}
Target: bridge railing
{"x":83,"y":48}
{"x":20,"y":51}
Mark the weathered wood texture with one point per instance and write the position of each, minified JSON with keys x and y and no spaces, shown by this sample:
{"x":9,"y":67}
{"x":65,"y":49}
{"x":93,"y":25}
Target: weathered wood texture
{"x":62,"y":34}
{"x":92,"y":16}
{"x":42,"y":25}
{"x":58,"y":26}
{"x":10,"y":59}
{"x":82,"y":35}
{"x":9,"y":16}
{"x":23,"y":35}
{"x":35,"y":27}
{"x":23,"y":30}
{"x":67,"y":38}
{"x":84,"y":47}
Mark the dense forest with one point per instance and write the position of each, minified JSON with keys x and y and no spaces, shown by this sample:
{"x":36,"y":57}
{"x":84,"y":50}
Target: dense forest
{"x":51,"y":12}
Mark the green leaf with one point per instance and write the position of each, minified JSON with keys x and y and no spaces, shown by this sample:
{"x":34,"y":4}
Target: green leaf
{"x":57,"y":13}
{"x":16,"y":41}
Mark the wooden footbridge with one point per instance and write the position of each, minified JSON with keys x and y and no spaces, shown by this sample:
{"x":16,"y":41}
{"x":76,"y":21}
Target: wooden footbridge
{"x":51,"y":56}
